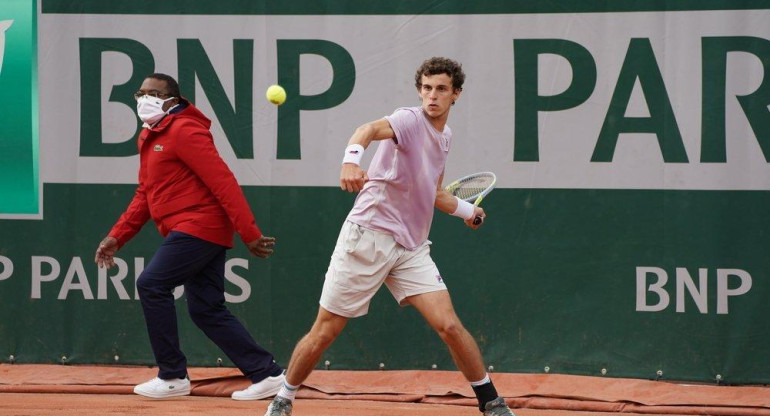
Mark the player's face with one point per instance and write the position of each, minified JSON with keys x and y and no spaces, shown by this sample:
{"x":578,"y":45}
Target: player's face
{"x":437,"y":95}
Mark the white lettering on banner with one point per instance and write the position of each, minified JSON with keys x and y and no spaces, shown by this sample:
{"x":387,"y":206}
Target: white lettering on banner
{"x":700,"y":296}
{"x":138,"y":269}
{"x":76,"y":278}
{"x":685,"y":283}
{"x":237,"y":280}
{"x":178,"y":292}
{"x":37,"y":275}
{"x":7,"y":269}
{"x":642,"y":289}
{"x":611,"y":139}
{"x":116,"y":279}
{"x":723,"y":292}
{"x":76,"y":270}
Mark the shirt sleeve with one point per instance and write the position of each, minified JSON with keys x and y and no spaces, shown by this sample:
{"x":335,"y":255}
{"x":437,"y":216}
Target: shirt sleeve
{"x":201,"y":156}
{"x":133,"y":219}
{"x":404,"y":123}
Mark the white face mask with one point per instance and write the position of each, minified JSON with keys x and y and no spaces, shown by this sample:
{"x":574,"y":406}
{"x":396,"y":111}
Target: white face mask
{"x":150,"y":109}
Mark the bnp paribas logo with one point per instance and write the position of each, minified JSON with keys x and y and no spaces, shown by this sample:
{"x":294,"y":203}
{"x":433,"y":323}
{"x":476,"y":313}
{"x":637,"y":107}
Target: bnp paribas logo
{"x":4,"y":25}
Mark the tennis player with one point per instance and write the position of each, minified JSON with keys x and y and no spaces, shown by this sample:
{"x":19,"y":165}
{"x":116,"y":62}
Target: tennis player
{"x":385,"y":236}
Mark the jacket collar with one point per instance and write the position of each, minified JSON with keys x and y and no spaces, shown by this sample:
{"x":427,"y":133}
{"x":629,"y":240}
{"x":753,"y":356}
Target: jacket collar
{"x":166,"y":120}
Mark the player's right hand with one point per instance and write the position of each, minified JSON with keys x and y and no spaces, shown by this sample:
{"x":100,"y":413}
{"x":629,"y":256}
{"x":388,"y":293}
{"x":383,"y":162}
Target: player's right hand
{"x":477,"y":212}
{"x":105,"y":253}
{"x":352,"y":177}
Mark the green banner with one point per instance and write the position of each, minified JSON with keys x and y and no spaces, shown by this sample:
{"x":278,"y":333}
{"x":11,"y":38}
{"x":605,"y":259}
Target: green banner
{"x":18,"y":110}
{"x":536,"y":288}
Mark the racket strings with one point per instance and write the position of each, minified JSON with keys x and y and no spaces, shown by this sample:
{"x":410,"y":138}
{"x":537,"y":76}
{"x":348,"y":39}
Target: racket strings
{"x":472,"y":187}
{"x":467,"y":192}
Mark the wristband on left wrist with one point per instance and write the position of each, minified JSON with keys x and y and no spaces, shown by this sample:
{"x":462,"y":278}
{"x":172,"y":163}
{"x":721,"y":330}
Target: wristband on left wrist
{"x":464,"y":210}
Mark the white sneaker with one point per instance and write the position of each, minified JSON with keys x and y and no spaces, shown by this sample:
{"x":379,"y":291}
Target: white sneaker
{"x":158,"y":388}
{"x":266,"y":388}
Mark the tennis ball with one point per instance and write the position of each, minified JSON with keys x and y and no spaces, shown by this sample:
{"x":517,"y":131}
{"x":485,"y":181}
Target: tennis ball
{"x":276,"y":94}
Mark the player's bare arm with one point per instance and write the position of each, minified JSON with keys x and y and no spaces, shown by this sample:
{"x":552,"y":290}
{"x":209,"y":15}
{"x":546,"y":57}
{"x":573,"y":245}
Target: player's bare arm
{"x":447,"y":203}
{"x":352,"y":176}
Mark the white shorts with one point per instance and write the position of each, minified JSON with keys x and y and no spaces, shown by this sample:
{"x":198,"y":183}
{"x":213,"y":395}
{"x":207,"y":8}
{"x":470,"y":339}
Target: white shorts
{"x":363,"y":259}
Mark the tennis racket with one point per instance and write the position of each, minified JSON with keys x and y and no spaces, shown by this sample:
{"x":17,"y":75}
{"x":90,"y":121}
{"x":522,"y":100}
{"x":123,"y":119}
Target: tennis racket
{"x":473,"y":188}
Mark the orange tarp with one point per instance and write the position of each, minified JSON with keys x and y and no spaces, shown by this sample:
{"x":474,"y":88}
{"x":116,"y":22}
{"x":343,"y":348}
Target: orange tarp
{"x":535,"y":391}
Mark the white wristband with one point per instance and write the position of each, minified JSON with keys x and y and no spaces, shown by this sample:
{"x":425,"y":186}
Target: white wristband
{"x":353,"y":154}
{"x":465,"y":210}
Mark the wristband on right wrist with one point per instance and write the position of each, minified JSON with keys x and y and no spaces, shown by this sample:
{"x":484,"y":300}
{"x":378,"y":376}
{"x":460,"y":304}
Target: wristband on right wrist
{"x":353,"y":154}
{"x":465,"y":210}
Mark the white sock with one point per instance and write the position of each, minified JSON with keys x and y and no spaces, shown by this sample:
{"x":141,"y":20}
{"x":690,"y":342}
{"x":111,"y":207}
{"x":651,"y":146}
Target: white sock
{"x":481,"y":382}
{"x":288,"y":391}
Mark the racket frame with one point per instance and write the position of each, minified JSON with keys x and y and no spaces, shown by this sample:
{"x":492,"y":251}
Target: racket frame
{"x":477,"y":198}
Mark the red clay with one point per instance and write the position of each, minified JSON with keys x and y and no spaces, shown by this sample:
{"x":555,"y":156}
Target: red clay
{"x":36,"y":404}
{"x":35,"y":389}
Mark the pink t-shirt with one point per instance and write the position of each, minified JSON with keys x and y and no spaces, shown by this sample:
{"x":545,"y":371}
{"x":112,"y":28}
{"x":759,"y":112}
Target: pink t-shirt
{"x":399,"y":197}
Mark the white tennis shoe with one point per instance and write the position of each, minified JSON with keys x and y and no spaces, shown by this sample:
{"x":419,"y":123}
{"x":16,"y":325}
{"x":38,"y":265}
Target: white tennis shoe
{"x":158,"y":388}
{"x":268,"y":387}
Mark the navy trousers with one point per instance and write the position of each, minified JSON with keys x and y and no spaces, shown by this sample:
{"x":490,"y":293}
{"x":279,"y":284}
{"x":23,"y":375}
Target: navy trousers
{"x":200,"y":266}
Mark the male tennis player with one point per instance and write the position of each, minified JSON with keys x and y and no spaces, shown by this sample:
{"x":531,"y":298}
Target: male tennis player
{"x":385,"y":236}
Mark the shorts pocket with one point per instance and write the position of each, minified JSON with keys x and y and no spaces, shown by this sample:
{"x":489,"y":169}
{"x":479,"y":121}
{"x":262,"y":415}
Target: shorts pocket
{"x":352,"y":238}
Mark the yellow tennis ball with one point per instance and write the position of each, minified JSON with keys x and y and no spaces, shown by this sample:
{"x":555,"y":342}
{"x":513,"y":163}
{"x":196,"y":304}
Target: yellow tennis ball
{"x":276,"y":94}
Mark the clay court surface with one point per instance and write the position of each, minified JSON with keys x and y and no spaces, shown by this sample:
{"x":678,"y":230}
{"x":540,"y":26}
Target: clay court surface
{"x":31,"y":390}
{"x":33,"y":404}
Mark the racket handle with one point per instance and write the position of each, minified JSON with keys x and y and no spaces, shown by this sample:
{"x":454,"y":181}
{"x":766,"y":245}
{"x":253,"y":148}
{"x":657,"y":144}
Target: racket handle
{"x":477,"y":220}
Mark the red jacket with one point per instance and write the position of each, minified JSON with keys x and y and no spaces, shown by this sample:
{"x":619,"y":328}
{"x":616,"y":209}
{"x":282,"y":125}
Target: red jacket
{"x":184,"y":185}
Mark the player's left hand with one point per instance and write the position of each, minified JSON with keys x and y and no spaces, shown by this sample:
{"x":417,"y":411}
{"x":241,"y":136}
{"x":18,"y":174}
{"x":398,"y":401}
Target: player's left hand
{"x":477,"y":212}
{"x":262,"y":247}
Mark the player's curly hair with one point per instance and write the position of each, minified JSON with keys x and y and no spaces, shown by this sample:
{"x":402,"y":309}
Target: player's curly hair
{"x":439,"y":65}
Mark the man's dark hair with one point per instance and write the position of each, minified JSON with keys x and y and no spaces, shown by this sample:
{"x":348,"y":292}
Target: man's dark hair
{"x":438,"y":65}
{"x":171,"y":84}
